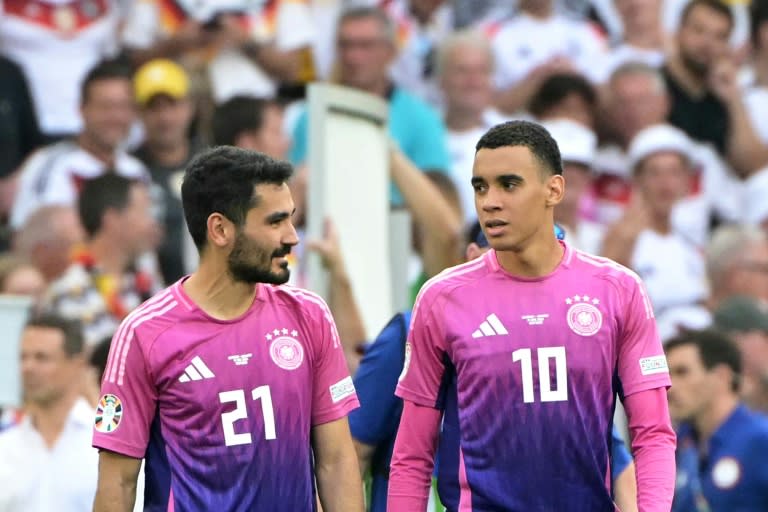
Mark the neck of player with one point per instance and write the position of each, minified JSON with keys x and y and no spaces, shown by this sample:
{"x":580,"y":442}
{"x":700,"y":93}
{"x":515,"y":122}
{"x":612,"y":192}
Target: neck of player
{"x":709,"y":420}
{"x":214,"y":291}
{"x":536,"y":257}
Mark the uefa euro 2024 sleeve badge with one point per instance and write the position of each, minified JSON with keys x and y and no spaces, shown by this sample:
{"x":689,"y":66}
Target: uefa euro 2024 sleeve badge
{"x":109,"y":412}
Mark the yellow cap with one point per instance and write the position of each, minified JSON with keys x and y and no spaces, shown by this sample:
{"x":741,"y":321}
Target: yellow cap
{"x":160,"y":76}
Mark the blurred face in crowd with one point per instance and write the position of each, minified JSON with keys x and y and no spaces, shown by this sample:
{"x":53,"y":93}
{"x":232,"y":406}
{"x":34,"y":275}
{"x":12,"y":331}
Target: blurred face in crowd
{"x":663,"y":179}
{"x":693,"y":386}
{"x":261,"y":245}
{"x":754,"y":351}
{"x":365,"y":52}
{"x":47,"y":372}
{"x":635,"y":101}
{"x":703,"y":39}
{"x":270,"y":138}
{"x":166,"y":121}
{"x":108,"y":112}
{"x":466,"y":79}
{"x":749,"y":274}
{"x":578,"y":177}
{"x":639,"y":15}
{"x":25,"y":280}
{"x":134,"y":225}
{"x":513,"y":196}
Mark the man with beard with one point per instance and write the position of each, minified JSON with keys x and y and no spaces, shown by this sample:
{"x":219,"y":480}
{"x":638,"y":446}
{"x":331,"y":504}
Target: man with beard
{"x":233,"y":388}
{"x":702,"y":41}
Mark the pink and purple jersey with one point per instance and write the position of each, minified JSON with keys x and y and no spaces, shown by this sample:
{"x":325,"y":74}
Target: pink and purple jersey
{"x":526,"y":372}
{"x":222,"y":410}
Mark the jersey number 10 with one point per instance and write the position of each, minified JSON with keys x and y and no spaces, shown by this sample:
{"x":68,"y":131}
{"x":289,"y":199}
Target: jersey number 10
{"x":228,"y":419}
{"x":544,"y":354}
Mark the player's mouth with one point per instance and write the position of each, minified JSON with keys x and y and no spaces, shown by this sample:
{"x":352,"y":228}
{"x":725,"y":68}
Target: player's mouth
{"x":495,"y":227}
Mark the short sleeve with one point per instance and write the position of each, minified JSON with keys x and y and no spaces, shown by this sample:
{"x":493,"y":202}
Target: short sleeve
{"x":333,"y":392}
{"x":375,"y":381}
{"x":424,"y":366}
{"x":128,"y":398}
{"x":641,"y":361}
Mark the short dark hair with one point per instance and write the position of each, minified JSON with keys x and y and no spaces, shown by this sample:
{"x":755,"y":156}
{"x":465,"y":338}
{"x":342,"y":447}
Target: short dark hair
{"x":528,"y":134}
{"x":716,"y":5}
{"x":237,"y":115}
{"x":359,"y":12}
{"x":105,"y":192}
{"x":222,"y":179}
{"x":71,"y":328}
{"x":714,"y":347}
{"x":758,"y":16}
{"x":557,"y":88}
{"x":105,"y":70}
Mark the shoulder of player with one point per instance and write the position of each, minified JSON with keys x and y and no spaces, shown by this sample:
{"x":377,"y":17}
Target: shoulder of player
{"x":295,"y":297}
{"x":453,"y":277}
{"x":152,"y":318}
{"x":606,"y":268}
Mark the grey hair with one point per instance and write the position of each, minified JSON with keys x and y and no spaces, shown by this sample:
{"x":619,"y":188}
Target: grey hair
{"x":727,"y":246}
{"x":357,"y":12}
{"x":471,"y":38}
{"x":641,"y":68}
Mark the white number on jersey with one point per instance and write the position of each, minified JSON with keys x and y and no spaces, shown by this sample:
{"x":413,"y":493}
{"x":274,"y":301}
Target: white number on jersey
{"x":560,"y":393}
{"x":240,"y":412}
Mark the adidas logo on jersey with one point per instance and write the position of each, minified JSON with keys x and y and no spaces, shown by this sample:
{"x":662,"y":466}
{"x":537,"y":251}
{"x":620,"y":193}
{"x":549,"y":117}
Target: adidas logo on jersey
{"x":197,"y":370}
{"x":491,"y":327}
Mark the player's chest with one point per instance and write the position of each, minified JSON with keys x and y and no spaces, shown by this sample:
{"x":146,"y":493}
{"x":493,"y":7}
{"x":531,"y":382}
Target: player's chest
{"x":578,"y":325}
{"x":235,"y":357}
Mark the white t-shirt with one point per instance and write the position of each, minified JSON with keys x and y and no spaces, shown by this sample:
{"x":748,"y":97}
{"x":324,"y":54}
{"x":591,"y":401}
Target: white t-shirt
{"x":56,"y":43}
{"x":38,"y":479}
{"x":677,"y":279}
{"x":524,"y":42}
{"x":52,"y":174}
{"x":289,"y":26}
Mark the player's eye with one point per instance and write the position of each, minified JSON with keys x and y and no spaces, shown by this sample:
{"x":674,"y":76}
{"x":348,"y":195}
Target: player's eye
{"x":479,"y":187}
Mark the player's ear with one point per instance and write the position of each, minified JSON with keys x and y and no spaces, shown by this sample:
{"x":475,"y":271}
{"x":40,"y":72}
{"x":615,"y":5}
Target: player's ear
{"x":221,"y":231}
{"x":555,"y":189}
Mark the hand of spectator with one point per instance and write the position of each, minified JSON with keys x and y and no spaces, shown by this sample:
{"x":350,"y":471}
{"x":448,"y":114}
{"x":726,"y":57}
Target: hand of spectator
{"x":231,"y":32}
{"x":723,"y":79}
{"x":329,"y":249}
{"x":636,"y":218}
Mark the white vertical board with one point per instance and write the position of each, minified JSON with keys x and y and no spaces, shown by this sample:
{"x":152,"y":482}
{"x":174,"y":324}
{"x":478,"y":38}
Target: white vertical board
{"x":349,"y":183}
{"x":14,"y":310}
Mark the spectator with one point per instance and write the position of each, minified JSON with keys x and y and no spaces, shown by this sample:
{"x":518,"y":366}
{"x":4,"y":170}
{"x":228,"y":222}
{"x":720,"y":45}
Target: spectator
{"x":366,"y":49}
{"x":19,"y":133}
{"x":104,"y":281}
{"x":745,"y":320}
{"x":241,"y":50}
{"x":465,"y":70}
{"x":577,"y":145}
{"x":565,"y":96}
{"x":54,"y":174}
{"x":661,"y":162}
{"x":47,"y":239}
{"x":638,"y":99}
{"x":46,"y":461}
{"x":706,"y":100}
{"x":737,"y":264}
{"x":536,"y":43}
{"x":721,"y":445}
{"x":56,"y":44}
{"x":251,"y":123}
{"x":163,"y":95}
{"x":421,"y":26}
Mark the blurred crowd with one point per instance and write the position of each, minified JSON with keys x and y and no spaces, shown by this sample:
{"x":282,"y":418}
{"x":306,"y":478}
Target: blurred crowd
{"x":660,"y":109}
